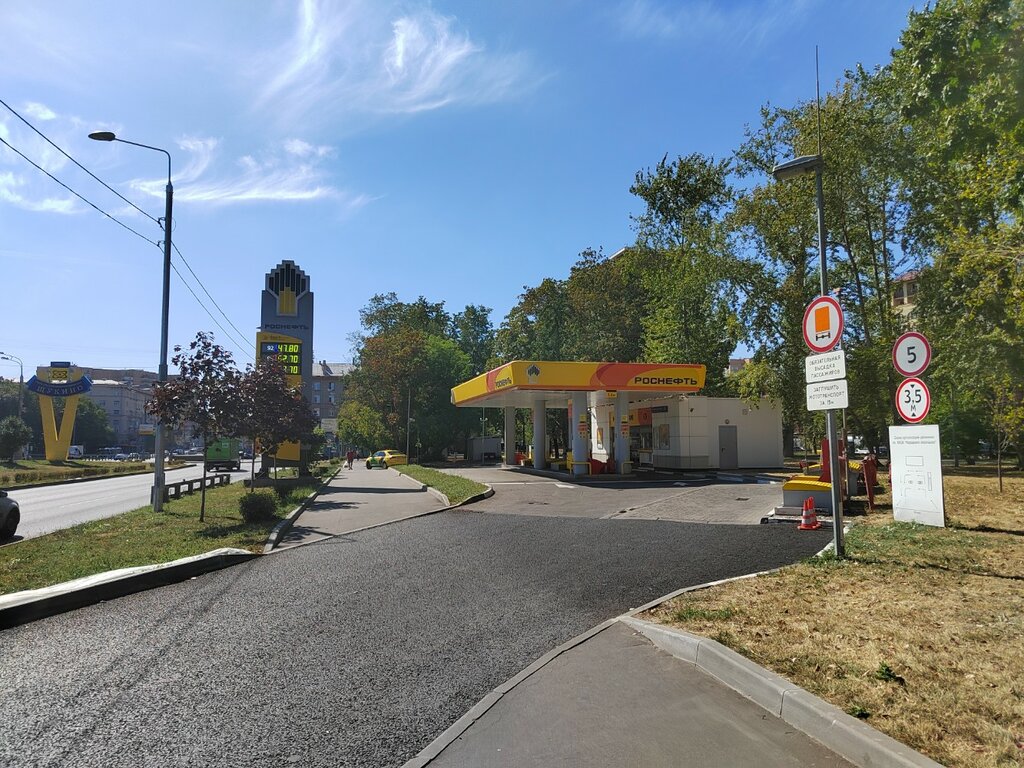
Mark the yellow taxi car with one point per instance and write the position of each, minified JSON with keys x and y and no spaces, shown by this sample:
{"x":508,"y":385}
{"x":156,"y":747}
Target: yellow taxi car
{"x":386,"y":459}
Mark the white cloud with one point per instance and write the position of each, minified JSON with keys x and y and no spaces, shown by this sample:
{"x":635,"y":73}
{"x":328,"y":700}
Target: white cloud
{"x":10,"y":184}
{"x":746,"y":24}
{"x":301,"y":148}
{"x":39,"y":111}
{"x":289,"y":177}
{"x":352,"y":61}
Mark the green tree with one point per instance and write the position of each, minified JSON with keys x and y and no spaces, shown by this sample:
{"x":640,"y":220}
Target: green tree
{"x":472,"y":331}
{"x":14,"y":433}
{"x":358,"y":424}
{"x":957,"y":85}
{"x":92,"y":427}
{"x":268,"y":411}
{"x":691,"y":270}
{"x":205,"y":395}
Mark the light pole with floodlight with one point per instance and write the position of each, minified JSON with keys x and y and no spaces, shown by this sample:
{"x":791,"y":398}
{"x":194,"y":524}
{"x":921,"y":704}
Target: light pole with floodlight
{"x":20,"y":386}
{"x":805,"y":166}
{"x":157,"y":496}
{"x":21,"y":378}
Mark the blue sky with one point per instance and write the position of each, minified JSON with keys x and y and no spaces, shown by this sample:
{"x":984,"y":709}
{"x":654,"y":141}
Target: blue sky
{"x":455,"y":150}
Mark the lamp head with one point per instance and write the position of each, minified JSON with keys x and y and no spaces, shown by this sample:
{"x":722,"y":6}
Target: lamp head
{"x":102,"y":136}
{"x":801,"y":166}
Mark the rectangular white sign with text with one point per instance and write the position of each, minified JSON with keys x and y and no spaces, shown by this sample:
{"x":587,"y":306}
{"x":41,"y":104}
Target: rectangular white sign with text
{"x":915,"y":460}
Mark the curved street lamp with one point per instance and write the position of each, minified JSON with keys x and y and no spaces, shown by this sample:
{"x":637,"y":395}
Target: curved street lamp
{"x":792,"y":169}
{"x":157,"y":497}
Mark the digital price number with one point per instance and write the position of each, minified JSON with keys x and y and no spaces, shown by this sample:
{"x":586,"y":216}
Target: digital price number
{"x":286,"y":353}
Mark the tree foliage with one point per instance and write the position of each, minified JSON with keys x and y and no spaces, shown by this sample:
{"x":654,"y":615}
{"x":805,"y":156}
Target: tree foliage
{"x":14,"y":433}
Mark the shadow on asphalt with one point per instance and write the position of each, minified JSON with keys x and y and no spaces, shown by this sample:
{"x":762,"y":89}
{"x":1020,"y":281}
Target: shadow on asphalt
{"x":357,"y":489}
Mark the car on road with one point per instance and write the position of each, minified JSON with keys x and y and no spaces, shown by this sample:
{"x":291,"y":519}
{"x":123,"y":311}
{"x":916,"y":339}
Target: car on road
{"x":10,"y":516}
{"x":385,"y":459}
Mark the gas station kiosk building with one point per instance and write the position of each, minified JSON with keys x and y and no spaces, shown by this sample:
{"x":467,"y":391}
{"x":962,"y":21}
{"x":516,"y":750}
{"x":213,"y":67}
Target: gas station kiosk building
{"x":630,"y":415}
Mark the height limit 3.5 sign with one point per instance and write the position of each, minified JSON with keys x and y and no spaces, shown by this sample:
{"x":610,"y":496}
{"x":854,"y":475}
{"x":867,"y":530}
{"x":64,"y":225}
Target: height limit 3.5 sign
{"x":913,"y":400}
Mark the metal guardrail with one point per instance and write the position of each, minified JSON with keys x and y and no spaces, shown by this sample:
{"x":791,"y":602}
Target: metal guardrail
{"x":178,"y":489}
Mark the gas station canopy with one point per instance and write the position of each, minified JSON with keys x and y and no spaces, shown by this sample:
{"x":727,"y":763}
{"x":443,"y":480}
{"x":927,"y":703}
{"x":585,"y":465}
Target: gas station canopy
{"x":522,"y":383}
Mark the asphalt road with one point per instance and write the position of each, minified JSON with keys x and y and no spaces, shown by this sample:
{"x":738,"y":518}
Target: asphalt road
{"x":683,"y":497}
{"x":52,"y":507}
{"x":354,"y":651}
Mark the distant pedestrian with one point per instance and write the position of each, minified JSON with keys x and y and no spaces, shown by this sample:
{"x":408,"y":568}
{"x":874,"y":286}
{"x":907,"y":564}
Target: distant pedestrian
{"x":349,"y":458}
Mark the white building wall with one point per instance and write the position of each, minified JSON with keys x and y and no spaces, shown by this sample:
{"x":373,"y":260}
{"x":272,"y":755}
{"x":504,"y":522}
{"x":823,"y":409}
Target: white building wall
{"x":758,"y":431}
{"x":685,"y":431}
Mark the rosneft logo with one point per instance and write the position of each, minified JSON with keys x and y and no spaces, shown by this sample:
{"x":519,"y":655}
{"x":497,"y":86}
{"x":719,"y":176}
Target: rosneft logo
{"x":289,"y":284}
{"x":664,"y":381}
{"x":503,"y":382}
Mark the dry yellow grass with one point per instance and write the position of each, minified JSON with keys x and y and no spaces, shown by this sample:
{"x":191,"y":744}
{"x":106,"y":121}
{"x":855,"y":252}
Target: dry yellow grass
{"x":920,"y":631}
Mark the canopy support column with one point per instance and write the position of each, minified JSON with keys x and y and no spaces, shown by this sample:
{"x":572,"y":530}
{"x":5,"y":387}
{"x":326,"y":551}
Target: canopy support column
{"x":510,"y":436}
{"x":621,"y":440}
{"x":540,"y":441}
{"x":580,"y":437}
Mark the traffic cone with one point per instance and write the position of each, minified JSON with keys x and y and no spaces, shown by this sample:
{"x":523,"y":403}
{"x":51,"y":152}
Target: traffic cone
{"x":809,"y":518}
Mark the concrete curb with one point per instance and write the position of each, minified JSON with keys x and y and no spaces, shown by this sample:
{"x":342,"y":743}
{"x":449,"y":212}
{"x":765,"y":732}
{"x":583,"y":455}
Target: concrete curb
{"x":279,"y":530}
{"x":424,"y":487}
{"x":30,"y":605}
{"x":438,"y":745}
{"x":845,"y":735}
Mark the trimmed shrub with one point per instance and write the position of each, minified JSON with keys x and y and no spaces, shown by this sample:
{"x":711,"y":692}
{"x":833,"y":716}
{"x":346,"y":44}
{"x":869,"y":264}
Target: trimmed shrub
{"x":258,"y":506}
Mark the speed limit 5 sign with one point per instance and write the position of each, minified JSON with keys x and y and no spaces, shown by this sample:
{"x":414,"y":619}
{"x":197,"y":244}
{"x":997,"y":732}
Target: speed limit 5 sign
{"x":913,"y":400}
{"x":911,"y":354}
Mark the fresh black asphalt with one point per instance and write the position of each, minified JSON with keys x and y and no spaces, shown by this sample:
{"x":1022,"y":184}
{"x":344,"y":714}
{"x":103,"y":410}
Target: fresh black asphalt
{"x":355,"y":651}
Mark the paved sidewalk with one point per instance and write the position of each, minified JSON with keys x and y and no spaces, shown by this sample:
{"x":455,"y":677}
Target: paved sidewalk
{"x":617,"y":700}
{"x":360,"y":498}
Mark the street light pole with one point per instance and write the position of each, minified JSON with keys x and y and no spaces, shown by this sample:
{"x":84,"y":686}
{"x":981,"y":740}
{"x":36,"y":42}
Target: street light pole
{"x":21,"y":378}
{"x":157,"y":494}
{"x":408,"y":421}
{"x":803,"y":166}
{"x":21,"y":387}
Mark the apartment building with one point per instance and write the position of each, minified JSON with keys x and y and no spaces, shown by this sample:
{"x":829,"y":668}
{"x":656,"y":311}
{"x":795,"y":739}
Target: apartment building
{"x":326,"y":392}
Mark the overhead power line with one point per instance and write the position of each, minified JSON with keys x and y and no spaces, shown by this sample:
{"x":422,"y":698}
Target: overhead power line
{"x":185,"y":262}
{"x":69,"y":189}
{"x":244,"y":340}
{"x":69,"y":157}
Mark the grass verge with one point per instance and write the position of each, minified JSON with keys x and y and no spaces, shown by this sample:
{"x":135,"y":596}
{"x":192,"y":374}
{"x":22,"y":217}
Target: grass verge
{"x":455,"y":487}
{"x":35,"y":472}
{"x":140,"y":537}
{"x":918,"y":631}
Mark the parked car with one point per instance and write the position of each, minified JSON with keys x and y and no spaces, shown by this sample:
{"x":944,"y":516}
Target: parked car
{"x":120,"y":457}
{"x":385,"y":459}
{"x":10,"y":516}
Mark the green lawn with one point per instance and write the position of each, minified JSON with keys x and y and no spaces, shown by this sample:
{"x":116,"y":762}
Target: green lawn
{"x":37,"y":472}
{"x":456,"y":488}
{"x":140,"y":537}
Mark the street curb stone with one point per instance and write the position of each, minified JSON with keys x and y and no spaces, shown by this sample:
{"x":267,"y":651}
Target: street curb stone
{"x":58,"y":598}
{"x":478,"y":710}
{"x":845,"y":735}
{"x":279,"y":530}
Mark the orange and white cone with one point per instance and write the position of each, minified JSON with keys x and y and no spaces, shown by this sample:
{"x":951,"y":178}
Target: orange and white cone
{"x":809,"y":518}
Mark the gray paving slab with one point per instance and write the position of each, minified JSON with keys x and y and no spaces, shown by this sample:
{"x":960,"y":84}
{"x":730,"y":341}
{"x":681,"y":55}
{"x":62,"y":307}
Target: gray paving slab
{"x":616,"y":700}
{"x":360,"y":498}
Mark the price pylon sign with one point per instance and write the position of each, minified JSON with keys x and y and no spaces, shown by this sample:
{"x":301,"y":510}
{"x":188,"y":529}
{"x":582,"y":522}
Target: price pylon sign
{"x":823,"y":324}
{"x":913,"y":400}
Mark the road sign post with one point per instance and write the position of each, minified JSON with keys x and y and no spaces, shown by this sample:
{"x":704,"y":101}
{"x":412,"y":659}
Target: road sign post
{"x":826,"y":383}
